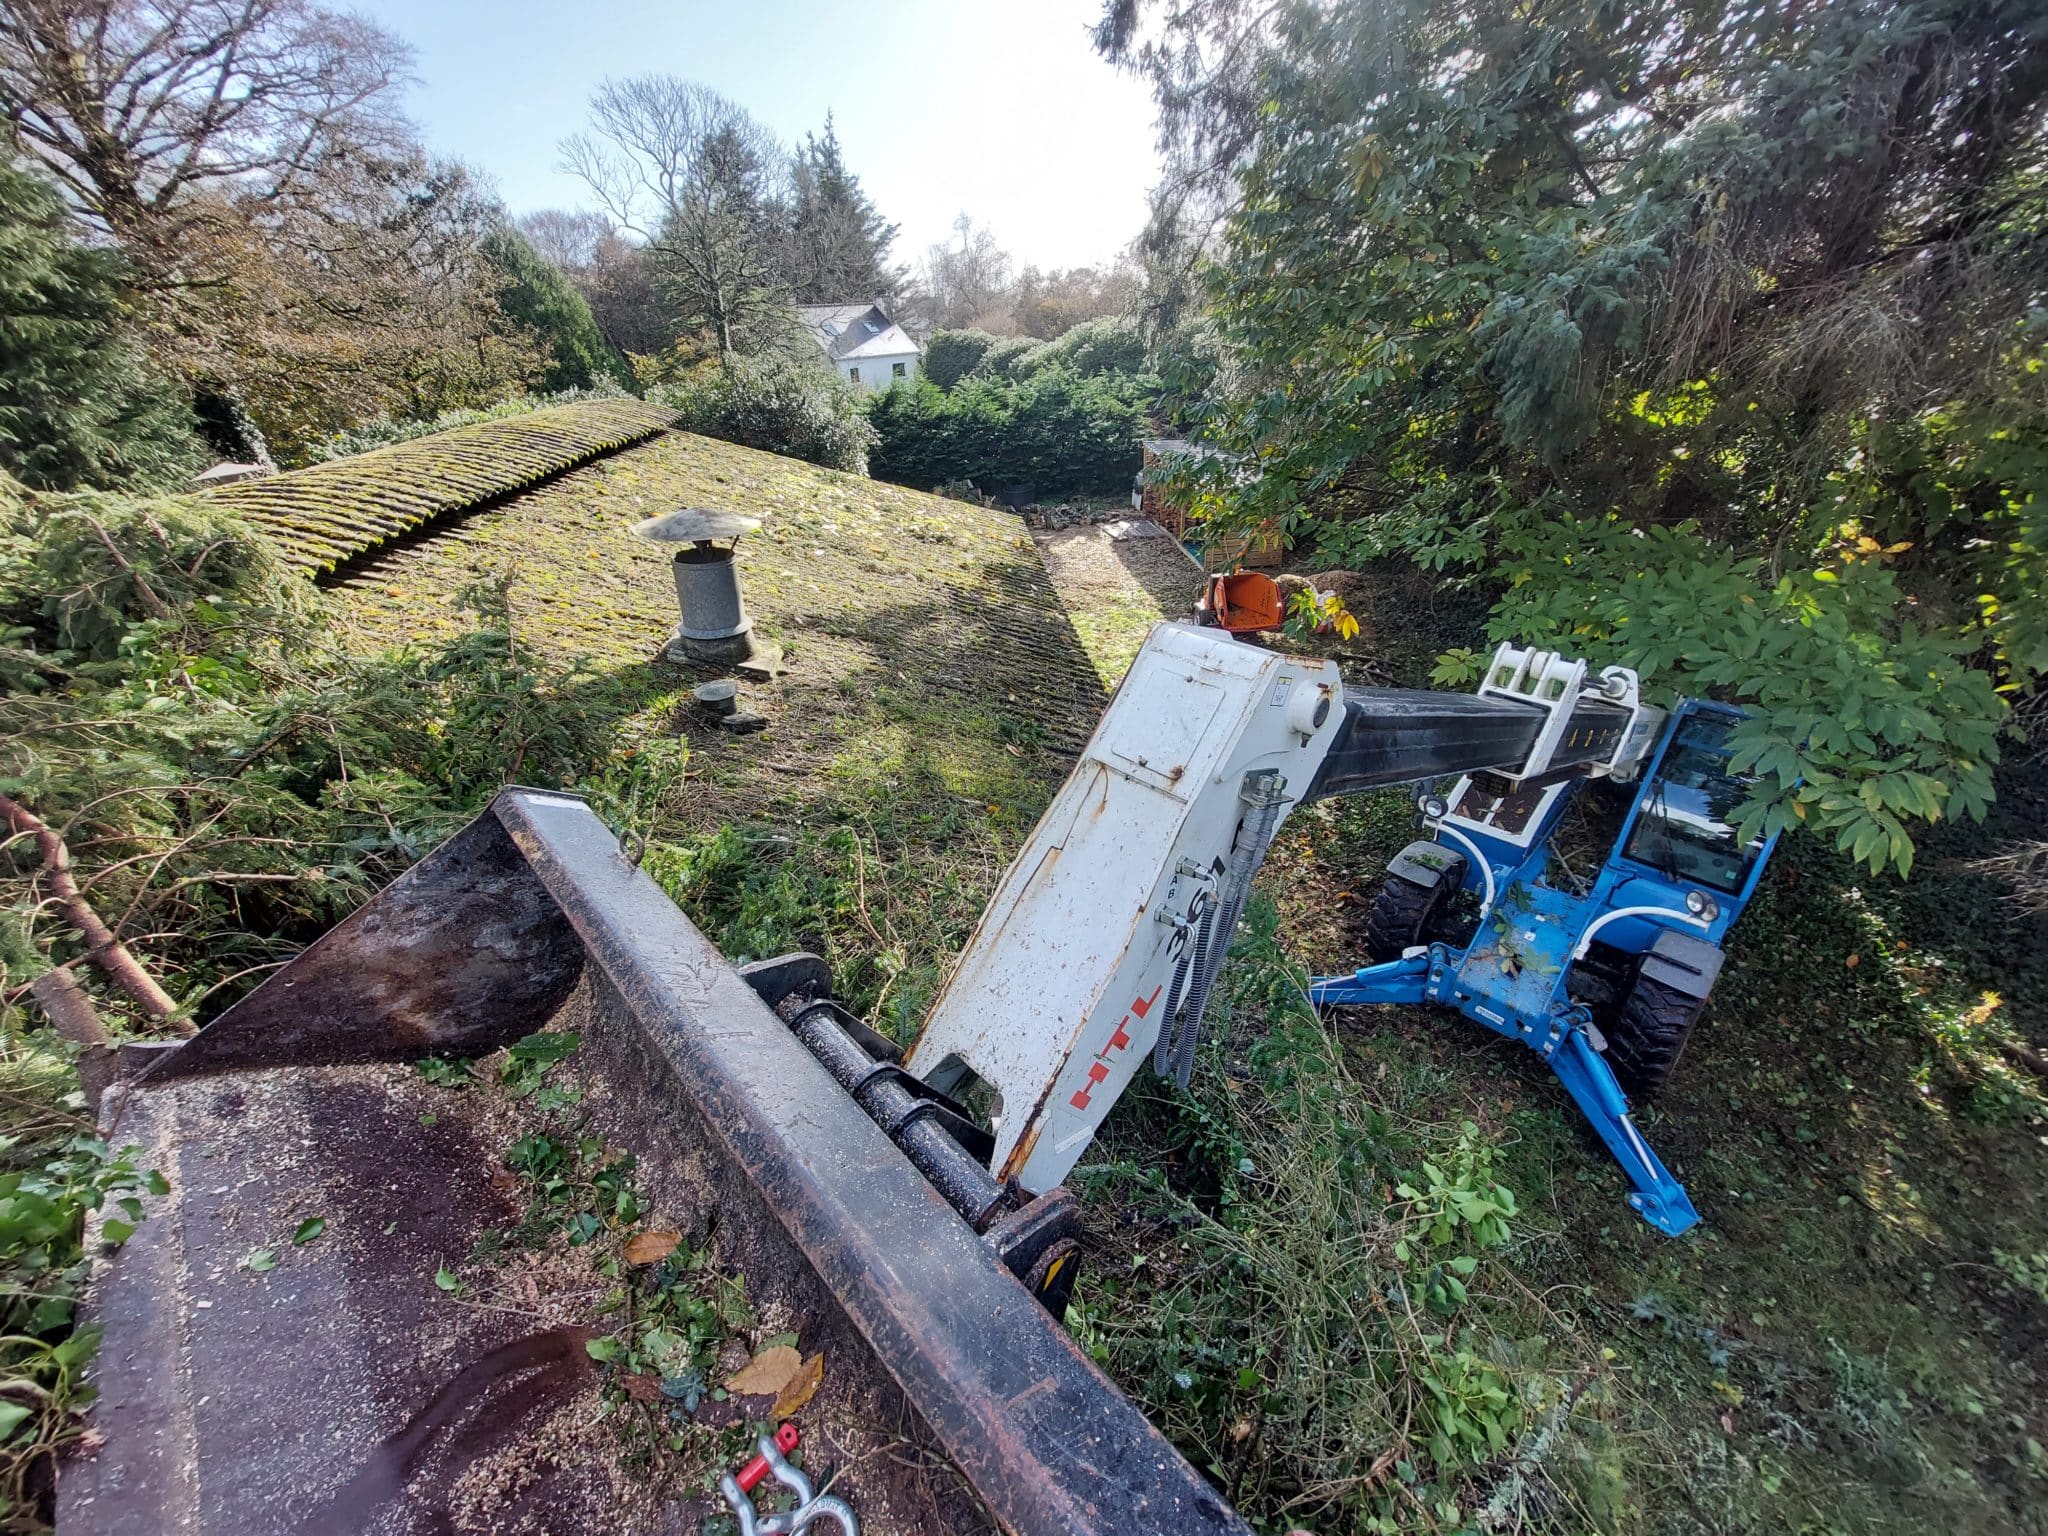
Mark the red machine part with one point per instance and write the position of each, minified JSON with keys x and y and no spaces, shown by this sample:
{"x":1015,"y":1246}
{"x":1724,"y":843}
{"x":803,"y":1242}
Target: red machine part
{"x":1243,"y":602}
{"x":749,"y":1477}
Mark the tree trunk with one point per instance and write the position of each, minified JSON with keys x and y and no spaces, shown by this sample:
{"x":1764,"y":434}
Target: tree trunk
{"x":103,"y":948}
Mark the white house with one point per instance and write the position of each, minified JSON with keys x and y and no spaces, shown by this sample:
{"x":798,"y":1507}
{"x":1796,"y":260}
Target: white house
{"x":869,"y":350}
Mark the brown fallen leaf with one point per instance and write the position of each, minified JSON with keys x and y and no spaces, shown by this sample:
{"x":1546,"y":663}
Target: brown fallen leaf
{"x":769,"y":1371}
{"x":652,"y":1247}
{"x":643,"y":1387}
{"x":802,"y":1387}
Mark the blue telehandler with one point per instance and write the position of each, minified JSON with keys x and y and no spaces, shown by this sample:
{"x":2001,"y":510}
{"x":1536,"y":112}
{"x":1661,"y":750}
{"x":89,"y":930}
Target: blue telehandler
{"x":1100,"y":949}
{"x":1601,"y":976}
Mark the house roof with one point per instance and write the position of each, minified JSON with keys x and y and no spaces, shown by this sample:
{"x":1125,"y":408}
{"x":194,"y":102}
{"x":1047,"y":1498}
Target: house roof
{"x":366,"y":500}
{"x":802,"y":571}
{"x":892,"y":342}
{"x":855,"y":330}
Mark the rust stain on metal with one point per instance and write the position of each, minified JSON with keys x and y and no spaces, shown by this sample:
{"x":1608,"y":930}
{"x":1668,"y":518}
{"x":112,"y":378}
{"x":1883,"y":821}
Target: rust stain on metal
{"x":1013,"y":1165}
{"x":464,"y":952}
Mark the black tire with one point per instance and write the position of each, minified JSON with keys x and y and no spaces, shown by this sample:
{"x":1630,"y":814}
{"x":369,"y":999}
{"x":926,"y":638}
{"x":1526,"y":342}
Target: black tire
{"x":1649,"y":1034}
{"x":1404,"y":915}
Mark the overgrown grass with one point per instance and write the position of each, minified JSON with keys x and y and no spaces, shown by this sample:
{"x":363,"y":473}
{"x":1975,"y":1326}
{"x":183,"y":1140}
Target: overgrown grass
{"x":1848,"y":1344}
{"x":887,"y":870}
{"x":1307,"y":1306}
{"x":228,"y":785}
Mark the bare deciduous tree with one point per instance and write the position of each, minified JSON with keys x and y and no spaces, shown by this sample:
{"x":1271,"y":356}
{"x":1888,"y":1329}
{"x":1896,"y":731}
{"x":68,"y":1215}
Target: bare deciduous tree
{"x":615,"y":276}
{"x":300,"y":258}
{"x":374,"y":297}
{"x":966,"y":284}
{"x":700,"y":181}
{"x":567,"y":237}
{"x":135,"y":106}
{"x":1049,"y":304}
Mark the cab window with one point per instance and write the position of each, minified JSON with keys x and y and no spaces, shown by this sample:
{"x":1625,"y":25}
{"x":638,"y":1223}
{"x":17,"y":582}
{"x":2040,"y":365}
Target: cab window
{"x":1686,"y":829}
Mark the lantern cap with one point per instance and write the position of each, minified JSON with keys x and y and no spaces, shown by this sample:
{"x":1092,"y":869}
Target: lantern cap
{"x":695,"y":525}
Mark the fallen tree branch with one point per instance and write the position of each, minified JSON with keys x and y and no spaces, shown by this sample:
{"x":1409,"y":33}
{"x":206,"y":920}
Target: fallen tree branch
{"x":70,"y":1011}
{"x":105,"y":950}
{"x":157,"y":607}
{"x":2026,"y":1056}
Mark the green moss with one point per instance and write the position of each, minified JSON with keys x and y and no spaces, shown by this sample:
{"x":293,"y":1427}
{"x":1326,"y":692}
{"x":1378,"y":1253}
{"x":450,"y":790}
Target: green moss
{"x":335,"y":511}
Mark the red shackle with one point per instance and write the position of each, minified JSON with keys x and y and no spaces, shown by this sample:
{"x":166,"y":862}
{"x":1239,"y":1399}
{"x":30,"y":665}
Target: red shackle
{"x":749,"y":1477}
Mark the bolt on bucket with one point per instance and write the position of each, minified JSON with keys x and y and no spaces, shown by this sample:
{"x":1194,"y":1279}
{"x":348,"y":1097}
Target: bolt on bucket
{"x":491,"y":1208}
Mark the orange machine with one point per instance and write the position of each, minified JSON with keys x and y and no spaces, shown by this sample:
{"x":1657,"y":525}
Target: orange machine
{"x":1243,"y":602}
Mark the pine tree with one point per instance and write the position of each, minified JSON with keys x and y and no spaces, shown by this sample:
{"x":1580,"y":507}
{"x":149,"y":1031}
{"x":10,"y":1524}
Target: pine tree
{"x":838,"y":242}
{"x":539,"y":296}
{"x":79,"y":406}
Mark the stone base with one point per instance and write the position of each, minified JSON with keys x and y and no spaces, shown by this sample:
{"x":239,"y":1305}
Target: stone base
{"x":765,"y":665}
{"x":717,"y":650}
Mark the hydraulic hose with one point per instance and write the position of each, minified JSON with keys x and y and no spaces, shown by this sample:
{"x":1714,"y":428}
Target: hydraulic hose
{"x":1263,"y":792}
{"x":1201,"y":918}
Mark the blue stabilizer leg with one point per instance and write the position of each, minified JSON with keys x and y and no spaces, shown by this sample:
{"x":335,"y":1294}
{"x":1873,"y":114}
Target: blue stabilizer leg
{"x":1398,"y":981}
{"x":1657,"y":1197}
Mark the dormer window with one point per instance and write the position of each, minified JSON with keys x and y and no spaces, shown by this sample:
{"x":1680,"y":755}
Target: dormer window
{"x":831,"y":327}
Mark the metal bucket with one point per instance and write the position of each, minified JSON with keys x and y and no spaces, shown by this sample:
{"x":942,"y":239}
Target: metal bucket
{"x":349,"y":1391}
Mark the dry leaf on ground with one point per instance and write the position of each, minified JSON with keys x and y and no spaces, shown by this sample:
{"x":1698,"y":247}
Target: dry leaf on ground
{"x":769,"y":1371}
{"x":652,"y":1247}
{"x":801,"y":1388}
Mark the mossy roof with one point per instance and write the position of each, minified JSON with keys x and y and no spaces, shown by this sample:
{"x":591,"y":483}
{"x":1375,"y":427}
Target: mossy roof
{"x":919,"y":629}
{"x":328,"y":514}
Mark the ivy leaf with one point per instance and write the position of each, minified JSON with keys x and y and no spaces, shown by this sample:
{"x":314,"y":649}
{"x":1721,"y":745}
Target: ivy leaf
{"x":546,"y":1047}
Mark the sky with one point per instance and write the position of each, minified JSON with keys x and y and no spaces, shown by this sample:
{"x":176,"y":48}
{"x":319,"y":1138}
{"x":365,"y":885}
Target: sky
{"x":998,"y":108}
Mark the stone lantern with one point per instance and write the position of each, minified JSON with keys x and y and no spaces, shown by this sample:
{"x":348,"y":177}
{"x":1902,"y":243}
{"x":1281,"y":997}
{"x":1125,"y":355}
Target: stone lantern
{"x":714,"y":626}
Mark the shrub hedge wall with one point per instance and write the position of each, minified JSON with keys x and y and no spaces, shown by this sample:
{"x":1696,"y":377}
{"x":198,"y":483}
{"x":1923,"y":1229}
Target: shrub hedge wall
{"x":1055,"y":431}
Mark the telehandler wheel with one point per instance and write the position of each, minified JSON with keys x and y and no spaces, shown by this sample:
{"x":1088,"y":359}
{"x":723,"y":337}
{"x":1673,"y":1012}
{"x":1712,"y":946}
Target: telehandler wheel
{"x":1404,"y":915}
{"x":1648,"y":1035}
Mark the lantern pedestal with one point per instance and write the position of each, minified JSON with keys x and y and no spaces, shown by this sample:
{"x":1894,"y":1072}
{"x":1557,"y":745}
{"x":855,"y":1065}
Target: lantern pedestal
{"x":715,"y":627}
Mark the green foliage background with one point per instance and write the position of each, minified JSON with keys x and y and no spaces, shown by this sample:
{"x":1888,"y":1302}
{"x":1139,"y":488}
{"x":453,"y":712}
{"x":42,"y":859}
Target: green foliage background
{"x":785,"y":402}
{"x":1056,"y":430}
{"x":1710,"y":337}
{"x":538,"y":296}
{"x":78,"y":403}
